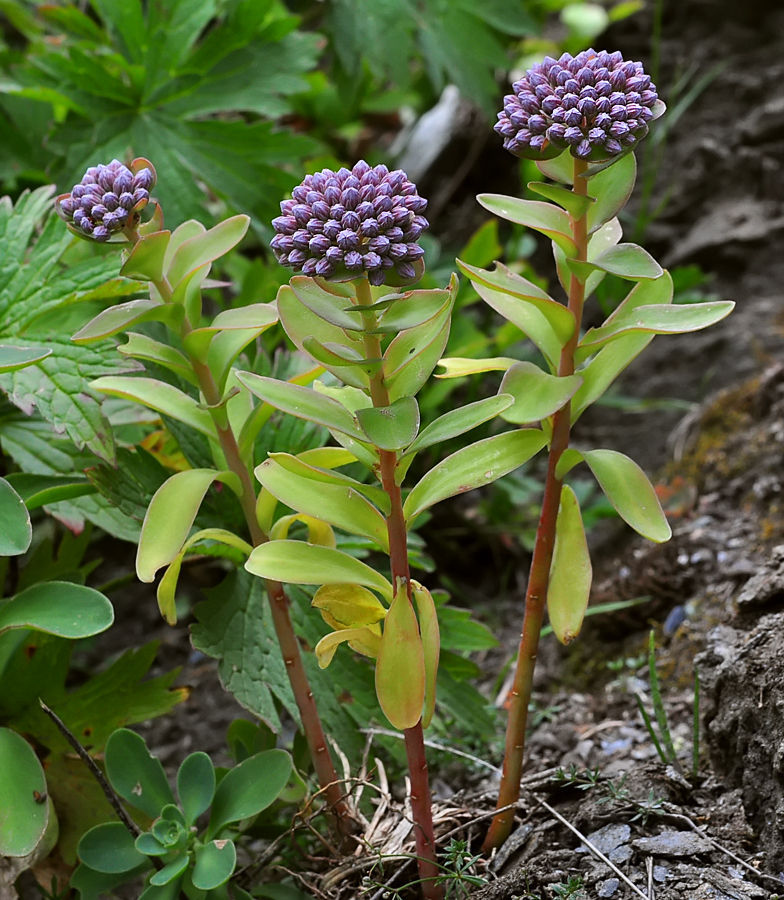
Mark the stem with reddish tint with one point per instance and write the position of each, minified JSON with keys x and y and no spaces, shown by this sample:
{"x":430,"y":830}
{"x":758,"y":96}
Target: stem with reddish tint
{"x":279,"y":603}
{"x":398,"y":559}
{"x":539,"y":575}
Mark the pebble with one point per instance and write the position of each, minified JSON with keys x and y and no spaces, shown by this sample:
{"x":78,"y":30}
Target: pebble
{"x":607,"y":888}
{"x":673,"y":843}
{"x":611,"y":836}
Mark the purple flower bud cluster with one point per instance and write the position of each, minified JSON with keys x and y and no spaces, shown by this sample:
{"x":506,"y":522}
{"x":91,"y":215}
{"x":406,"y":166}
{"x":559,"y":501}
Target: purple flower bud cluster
{"x":596,"y":104}
{"x":350,"y":222}
{"x":107,"y":199}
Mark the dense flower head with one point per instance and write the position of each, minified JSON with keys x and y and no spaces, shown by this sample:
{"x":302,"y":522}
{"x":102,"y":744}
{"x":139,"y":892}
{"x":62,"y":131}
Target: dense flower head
{"x":351,"y":222}
{"x":107,"y":199}
{"x":596,"y":103}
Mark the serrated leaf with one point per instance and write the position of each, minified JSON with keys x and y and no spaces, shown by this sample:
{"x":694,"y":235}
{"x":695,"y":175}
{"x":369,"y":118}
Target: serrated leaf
{"x":628,"y":489}
{"x":58,"y":607}
{"x":136,"y":775}
{"x":537,"y":394}
{"x":338,"y":504}
{"x":16,"y":532}
{"x":295,"y":562}
{"x":23,"y":820}
{"x":400,"y":666}
{"x":109,"y":849}
{"x":458,"y":421}
{"x":472,"y":467}
{"x":569,"y":586}
{"x":550,"y":221}
{"x":249,"y":788}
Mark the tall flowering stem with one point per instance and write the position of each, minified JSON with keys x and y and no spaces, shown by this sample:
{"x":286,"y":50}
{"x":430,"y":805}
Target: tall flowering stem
{"x":279,"y":602}
{"x":538,"y":579}
{"x":398,"y":557}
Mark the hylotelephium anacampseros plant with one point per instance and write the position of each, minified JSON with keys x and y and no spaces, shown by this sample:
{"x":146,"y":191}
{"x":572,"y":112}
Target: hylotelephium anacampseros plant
{"x":579,"y":118}
{"x":107,"y":206}
{"x":356,"y":232}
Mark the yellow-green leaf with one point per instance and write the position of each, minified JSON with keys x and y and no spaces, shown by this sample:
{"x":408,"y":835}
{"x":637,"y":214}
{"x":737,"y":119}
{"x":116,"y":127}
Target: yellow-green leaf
{"x":400,"y":667}
{"x":431,"y":646}
{"x":570,"y":573}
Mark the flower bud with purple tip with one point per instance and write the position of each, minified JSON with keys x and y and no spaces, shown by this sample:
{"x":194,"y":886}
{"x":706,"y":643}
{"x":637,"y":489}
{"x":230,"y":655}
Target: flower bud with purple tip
{"x":108,"y":200}
{"x":596,"y":104}
{"x":344,"y":224}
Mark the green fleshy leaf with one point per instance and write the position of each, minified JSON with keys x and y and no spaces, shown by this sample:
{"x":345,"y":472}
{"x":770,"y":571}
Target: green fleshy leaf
{"x":472,"y":467}
{"x":628,"y":261}
{"x":140,"y":346}
{"x":560,"y":318}
{"x":149,"y":845}
{"x":460,"y":367}
{"x":559,"y":168}
{"x":109,"y":849}
{"x":160,"y":396}
{"x":569,"y":586}
{"x":412,"y":309}
{"x":294,"y":562}
{"x":660,"y":319}
{"x":16,"y":532}
{"x":327,"y":302}
{"x":13,"y":358}
{"x":195,"y":785}
{"x":537,"y":394}
{"x":431,"y":647}
{"x":215,"y":864}
{"x":575,"y":204}
{"x":136,"y":775}
{"x":205,"y":248}
{"x":628,"y":489}
{"x":400,"y":666}
{"x":23,"y":818}
{"x":611,"y":188}
{"x":338,"y":504}
{"x":604,"y":368}
{"x":554,"y":223}
{"x":249,"y":788}
{"x":458,"y":421}
{"x":391,"y":427}
{"x":170,"y":517}
{"x":171,"y":871}
{"x":302,"y":402}
{"x":145,"y":261}
{"x":43,"y":490}
{"x":58,"y":607}
{"x":91,"y":884}
{"x":256,"y":318}
{"x":122,"y":316}
{"x":338,"y":355}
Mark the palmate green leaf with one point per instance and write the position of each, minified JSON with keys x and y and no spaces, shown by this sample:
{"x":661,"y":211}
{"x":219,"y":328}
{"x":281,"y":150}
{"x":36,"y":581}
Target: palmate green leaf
{"x":569,"y":586}
{"x":58,"y":607}
{"x":337,"y":504}
{"x":187,"y":60}
{"x":295,"y":562}
{"x":542,"y":217}
{"x":537,"y":394}
{"x":472,"y":467}
{"x":16,"y":532}
{"x":628,"y":489}
{"x":23,"y":820}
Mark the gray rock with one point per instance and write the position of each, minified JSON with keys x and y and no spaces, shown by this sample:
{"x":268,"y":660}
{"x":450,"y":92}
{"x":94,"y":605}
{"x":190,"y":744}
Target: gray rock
{"x":607,"y":888}
{"x":609,"y":838}
{"x":673,"y":843}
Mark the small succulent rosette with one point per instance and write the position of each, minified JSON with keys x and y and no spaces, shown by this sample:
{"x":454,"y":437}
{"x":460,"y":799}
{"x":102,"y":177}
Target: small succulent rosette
{"x":362,"y":221}
{"x":108,"y":201}
{"x":596,"y":104}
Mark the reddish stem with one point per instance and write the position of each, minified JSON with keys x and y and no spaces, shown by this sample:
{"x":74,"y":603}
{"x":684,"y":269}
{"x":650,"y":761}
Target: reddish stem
{"x":539,"y":575}
{"x":421,"y":810}
{"x":279,"y":603}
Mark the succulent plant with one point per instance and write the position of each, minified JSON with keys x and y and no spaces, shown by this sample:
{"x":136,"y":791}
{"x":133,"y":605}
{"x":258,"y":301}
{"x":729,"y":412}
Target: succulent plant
{"x":108,"y":199}
{"x":596,"y":103}
{"x":341,"y":225}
